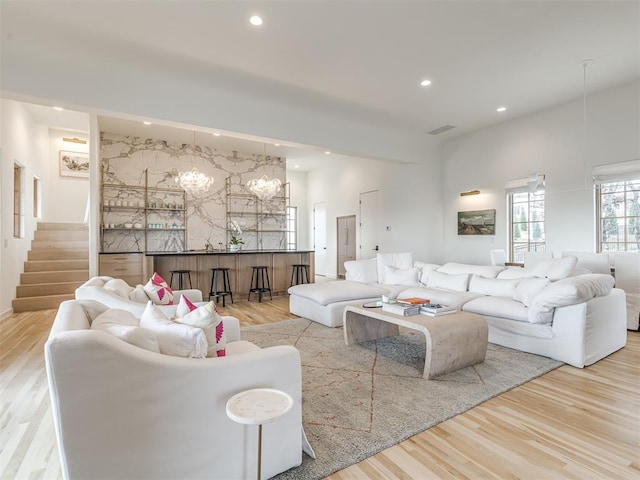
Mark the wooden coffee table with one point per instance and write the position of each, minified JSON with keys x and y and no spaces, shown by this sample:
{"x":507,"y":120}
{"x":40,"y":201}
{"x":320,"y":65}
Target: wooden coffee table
{"x":453,"y":341}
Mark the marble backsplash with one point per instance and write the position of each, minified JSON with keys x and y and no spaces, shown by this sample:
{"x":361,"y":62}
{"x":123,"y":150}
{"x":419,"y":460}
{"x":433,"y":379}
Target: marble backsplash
{"x":175,"y":221}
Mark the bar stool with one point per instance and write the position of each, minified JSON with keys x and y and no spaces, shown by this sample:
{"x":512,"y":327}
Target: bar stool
{"x":180,"y":274}
{"x":226,"y":285}
{"x":299,"y":274}
{"x":258,"y":277}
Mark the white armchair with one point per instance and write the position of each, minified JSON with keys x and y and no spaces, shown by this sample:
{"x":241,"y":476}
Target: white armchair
{"x":94,"y":289}
{"x":124,"y":412}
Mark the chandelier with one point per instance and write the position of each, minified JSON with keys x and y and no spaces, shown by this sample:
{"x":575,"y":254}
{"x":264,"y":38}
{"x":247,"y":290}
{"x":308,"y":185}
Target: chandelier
{"x":194,"y":181}
{"x":263,"y":187}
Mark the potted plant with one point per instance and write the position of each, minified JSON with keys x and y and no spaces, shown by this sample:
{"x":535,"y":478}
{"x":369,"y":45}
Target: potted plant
{"x":234,"y":244}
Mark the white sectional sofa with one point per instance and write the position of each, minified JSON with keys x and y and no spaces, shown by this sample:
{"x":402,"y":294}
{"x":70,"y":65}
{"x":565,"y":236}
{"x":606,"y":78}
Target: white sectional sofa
{"x":550,"y":310}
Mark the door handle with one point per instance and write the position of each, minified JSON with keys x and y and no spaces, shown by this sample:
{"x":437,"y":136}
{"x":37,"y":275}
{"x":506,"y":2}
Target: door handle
{"x":376,"y":249}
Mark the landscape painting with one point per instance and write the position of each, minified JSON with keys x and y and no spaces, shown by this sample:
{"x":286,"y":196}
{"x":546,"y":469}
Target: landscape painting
{"x":74,"y":164}
{"x":477,"y":222}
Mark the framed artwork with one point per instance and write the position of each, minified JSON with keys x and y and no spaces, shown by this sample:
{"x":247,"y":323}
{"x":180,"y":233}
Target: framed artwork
{"x":74,"y":164}
{"x":477,"y":222}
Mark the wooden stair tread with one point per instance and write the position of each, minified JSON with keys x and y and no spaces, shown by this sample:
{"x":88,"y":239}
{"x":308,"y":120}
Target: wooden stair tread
{"x":44,"y":302}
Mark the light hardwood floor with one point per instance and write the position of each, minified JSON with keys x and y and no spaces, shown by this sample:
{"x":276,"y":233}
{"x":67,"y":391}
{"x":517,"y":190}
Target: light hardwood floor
{"x":568,"y":424}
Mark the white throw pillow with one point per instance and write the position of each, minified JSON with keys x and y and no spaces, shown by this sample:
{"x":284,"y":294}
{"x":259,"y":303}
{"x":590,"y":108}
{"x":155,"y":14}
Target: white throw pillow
{"x":511,"y":273}
{"x":174,"y":338}
{"x":488,"y":271}
{"x":397,"y":260}
{"x":424,"y":268}
{"x":451,"y":282}
{"x":139,"y":295}
{"x":119,"y":287}
{"x":555,"y":268}
{"x":206,"y":318}
{"x":158,"y":290}
{"x":528,"y":288}
{"x":492,"y":286}
{"x":365,"y":271}
{"x":124,"y":325}
{"x":401,"y":276}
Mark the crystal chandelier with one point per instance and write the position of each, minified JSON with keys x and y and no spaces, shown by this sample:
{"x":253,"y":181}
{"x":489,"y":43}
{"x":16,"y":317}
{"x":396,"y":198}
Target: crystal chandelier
{"x":263,"y":187}
{"x":194,"y":181}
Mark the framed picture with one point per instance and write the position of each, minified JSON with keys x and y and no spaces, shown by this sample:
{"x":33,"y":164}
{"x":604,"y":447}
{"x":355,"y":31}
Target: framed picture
{"x":74,"y":164}
{"x":477,"y":222}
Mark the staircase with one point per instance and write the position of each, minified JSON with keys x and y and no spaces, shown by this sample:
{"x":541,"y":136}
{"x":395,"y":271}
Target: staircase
{"x":57,"y":264}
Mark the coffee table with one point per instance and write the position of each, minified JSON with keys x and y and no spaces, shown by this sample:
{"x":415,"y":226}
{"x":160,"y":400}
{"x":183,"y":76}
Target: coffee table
{"x":453,"y":341}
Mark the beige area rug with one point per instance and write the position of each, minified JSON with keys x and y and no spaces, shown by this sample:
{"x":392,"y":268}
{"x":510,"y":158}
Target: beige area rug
{"x":361,"y":399}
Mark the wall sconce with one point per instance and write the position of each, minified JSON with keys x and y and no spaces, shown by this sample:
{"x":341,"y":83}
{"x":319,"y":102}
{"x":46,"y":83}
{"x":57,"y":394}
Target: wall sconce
{"x":74,"y":140}
{"x":470,"y":192}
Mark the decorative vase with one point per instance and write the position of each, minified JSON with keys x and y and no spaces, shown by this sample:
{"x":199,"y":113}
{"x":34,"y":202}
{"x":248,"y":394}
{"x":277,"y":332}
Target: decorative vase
{"x":234,"y":248}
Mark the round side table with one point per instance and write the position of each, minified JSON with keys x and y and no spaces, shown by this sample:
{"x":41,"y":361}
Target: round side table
{"x":257,"y":407}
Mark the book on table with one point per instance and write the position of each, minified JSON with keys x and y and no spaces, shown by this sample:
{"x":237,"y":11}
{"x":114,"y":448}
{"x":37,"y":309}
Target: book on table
{"x":401,"y":309}
{"x":437,"y":309}
{"x":414,"y":300}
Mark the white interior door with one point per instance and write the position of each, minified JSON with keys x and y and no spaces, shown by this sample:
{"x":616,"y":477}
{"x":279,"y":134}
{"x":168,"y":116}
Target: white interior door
{"x":320,"y":237}
{"x":369,"y":231}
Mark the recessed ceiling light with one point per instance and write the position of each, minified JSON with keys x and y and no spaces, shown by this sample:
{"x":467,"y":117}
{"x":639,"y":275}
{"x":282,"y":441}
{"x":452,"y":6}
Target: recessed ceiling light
{"x":501,"y":109}
{"x":216,"y":134}
{"x":147,"y":123}
{"x":60,"y":109}
{"x":277,"y":144}
{"x":425,"y":83}
{"x":327,"y":152}
{"x":255,"y":21}
{"x":296,"y":166}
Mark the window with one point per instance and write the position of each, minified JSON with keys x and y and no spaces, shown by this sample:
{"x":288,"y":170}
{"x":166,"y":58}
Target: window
{"x":526,"y":224}
{"x":37,"y":206}
{"x":618,"y":215}
{"x":292,"y":228}
{"x":17,"y":201}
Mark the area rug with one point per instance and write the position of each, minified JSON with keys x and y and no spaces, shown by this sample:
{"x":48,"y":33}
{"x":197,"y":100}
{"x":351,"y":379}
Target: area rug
{"x":358,"y":400}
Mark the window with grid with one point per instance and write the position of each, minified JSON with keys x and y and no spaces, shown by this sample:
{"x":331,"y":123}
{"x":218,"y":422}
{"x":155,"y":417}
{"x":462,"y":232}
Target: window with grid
{"x":292,"y":228}
{"x":618,"y":215}
{"x":526,"y":221}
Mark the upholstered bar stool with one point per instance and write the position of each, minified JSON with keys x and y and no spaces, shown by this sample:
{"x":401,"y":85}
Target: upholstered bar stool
{"x":226,"y":285}
{"x":180,"y":274}
{"x":260,"y":282}
{"x":299,"y":274}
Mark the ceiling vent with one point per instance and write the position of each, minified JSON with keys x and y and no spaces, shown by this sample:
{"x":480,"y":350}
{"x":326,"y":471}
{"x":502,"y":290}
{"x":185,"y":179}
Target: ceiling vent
{"x":444,"y":128}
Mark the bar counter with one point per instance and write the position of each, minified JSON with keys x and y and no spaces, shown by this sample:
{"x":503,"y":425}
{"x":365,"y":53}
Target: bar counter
{"x":200,"y":262}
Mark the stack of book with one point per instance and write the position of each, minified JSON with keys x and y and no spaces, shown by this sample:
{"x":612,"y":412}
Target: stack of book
{"x":414,"y":300}
{"x":436,"y":309}
{"x":404,"y":309}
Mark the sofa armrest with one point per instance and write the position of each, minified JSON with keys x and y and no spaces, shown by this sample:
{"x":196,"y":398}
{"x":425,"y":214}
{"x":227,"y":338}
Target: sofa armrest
{"x":231,"y":328}
{"x":192,"y":294}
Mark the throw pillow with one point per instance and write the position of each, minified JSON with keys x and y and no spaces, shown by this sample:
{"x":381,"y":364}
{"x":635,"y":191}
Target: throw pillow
{"x":158,"y":290}
{"x":401,"y":276}
{"x":457,"y":282}
{"x":206,"y":318}
{"x":174,"y":338}
{"x":492,"y":286}
{"x":139,"y":295}
{"x":555,"y":268}
{"x":424,"y":269}
{"x":529,"y":288}
{"x":184,"y":306}
{"x":398,"y":260}
{"x":124,"y":325}
{"x":119,"y":287}
{"x":365,"y":271}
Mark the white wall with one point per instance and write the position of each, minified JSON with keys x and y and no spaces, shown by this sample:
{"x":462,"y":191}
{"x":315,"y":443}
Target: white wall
{"x":65,"y":198}
{"x":26,"y":143}
{"x":298,"y":198}
{"x":409,"y":197}
{"x":550,"y":142}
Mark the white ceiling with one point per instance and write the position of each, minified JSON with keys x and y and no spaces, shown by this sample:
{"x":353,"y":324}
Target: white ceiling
{"x":368,"y":57}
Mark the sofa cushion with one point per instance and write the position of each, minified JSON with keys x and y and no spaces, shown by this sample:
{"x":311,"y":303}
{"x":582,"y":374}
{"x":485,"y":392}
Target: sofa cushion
{"x":325,"y":293}
{"x":439,"y":295}
{"x":365,"y":271}
{"x":489,"y":271}
{"x":206,"y":318}
{"x":424,"y":268}
{"x":510,"y":273}
{"x":555,"y":268}
{"x":158,"y":290}
{"x":397,"y":260}
{"x":174,"y":338}
{"x":498,"y":306}
{"x":492,"y":286}
{"x":139,"y":295}
{"x":401,"y":276}
{"x":124,"y":325}
{"x":458,"y":282}
{"x":528,"y":288}
{"x":118,"y":287}
{"x":568,"y":291}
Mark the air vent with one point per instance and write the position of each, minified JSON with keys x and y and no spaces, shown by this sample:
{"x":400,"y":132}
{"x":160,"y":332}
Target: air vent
{"x":441,"y":129}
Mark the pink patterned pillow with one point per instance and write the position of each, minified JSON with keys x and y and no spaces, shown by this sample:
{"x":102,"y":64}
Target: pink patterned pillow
{"x":158,"y":290}
{"x":206,"y":318}
{"x":184,"y":306}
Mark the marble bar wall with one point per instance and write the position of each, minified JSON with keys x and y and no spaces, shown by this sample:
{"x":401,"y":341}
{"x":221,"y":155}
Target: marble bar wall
{"x":125,"y":158}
